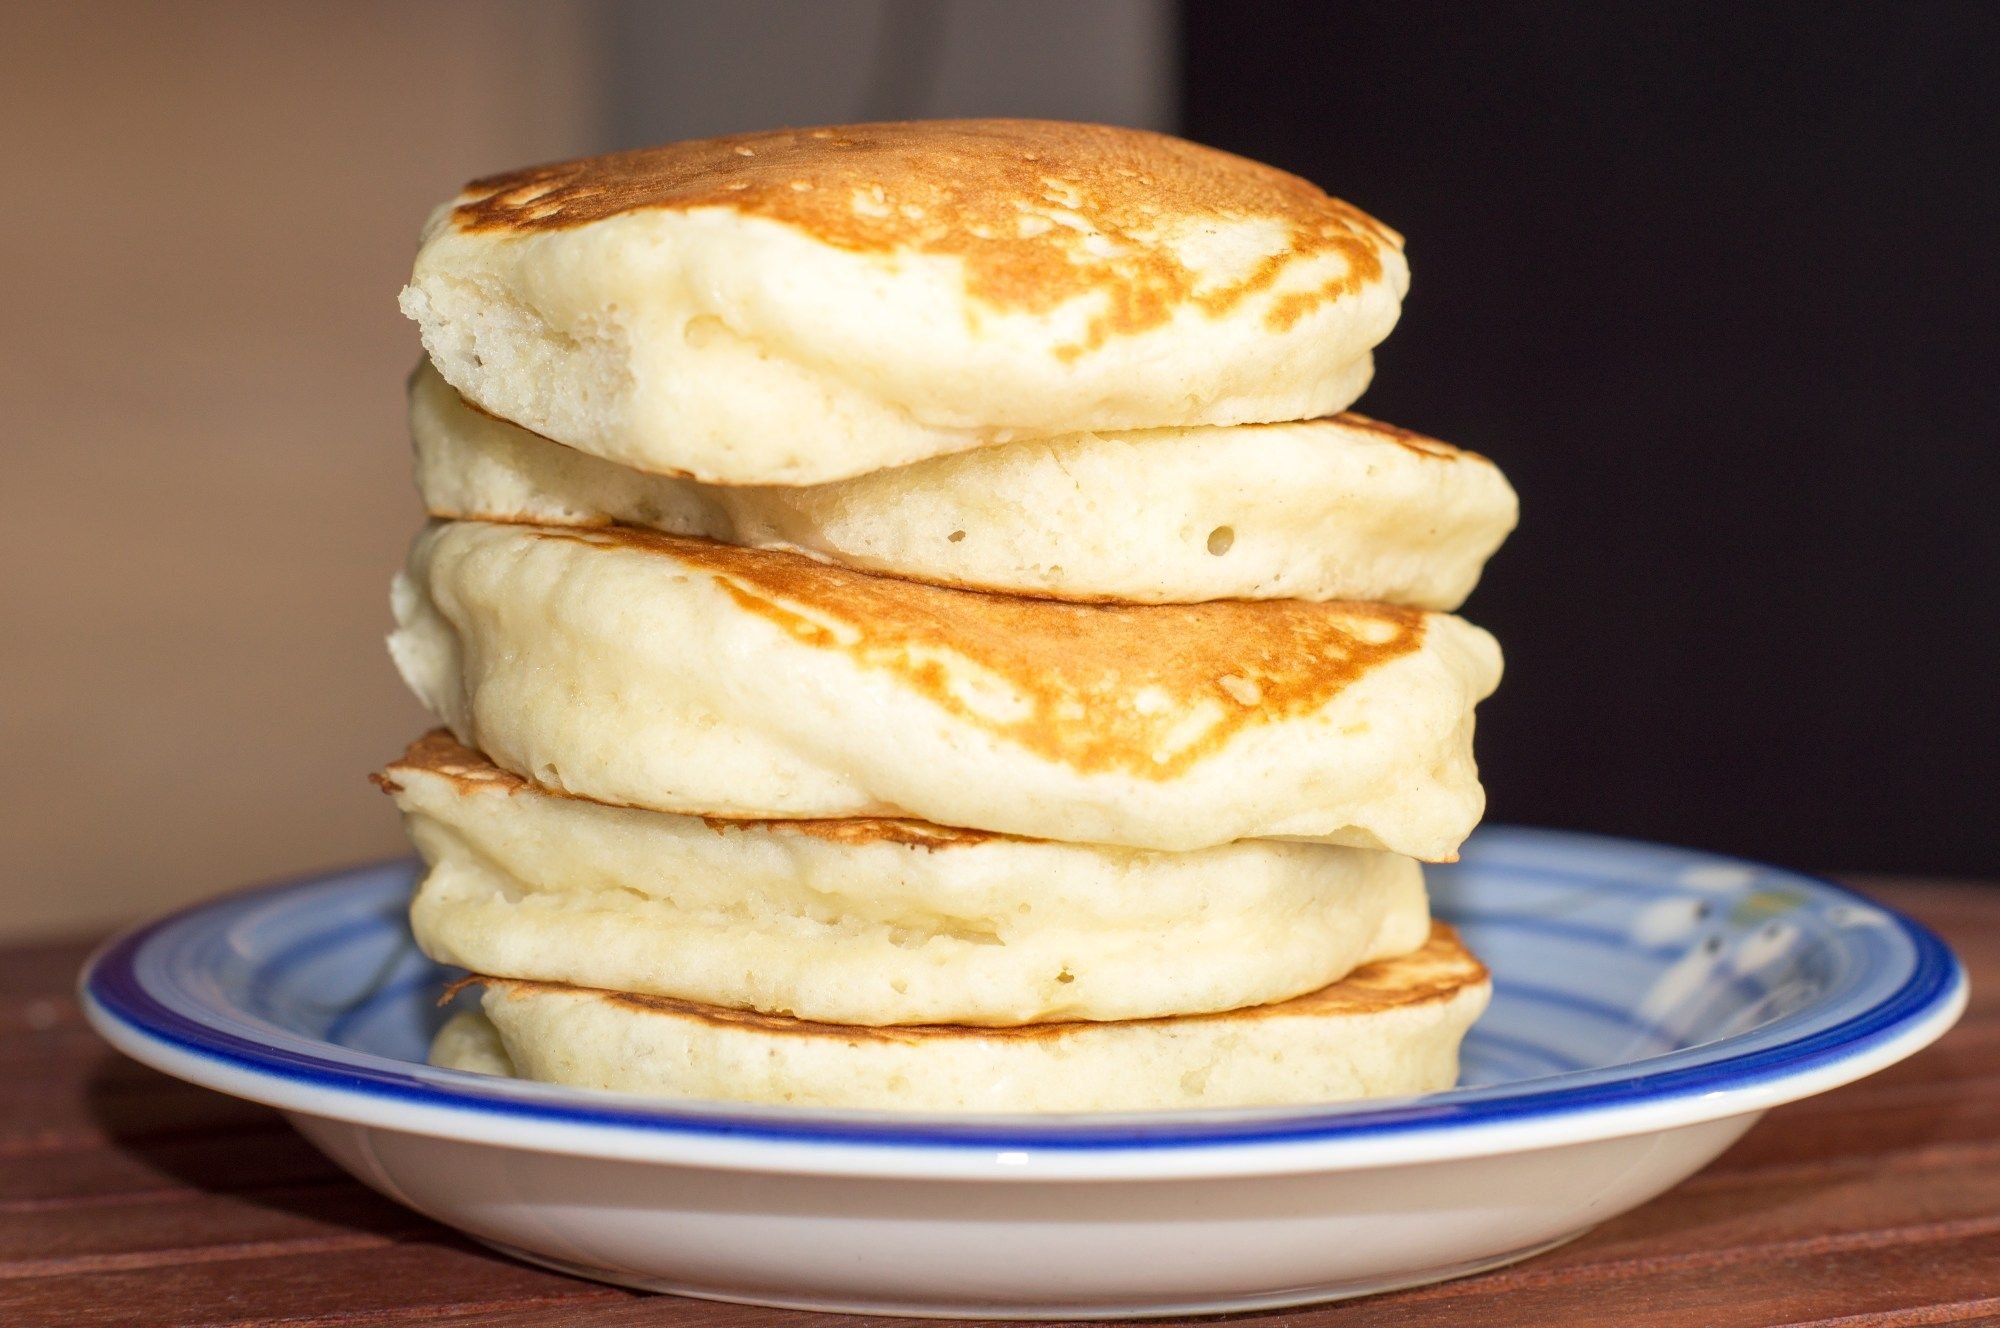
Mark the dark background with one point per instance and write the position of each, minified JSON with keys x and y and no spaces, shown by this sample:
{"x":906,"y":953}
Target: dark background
{"x":1716,"y":285}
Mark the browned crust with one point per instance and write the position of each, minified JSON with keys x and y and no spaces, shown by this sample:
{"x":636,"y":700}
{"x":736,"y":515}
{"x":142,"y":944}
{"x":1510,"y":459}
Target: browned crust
{"x":1422,"y":444}
{"x":440,"y":754}
{"x":1098,"y":200}
{"x":1146,"y":690}
{"x":1438,"y":971}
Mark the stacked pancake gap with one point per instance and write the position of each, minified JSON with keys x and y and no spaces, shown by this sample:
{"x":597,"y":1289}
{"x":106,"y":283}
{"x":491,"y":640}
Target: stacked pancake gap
{"x":913,"y":627}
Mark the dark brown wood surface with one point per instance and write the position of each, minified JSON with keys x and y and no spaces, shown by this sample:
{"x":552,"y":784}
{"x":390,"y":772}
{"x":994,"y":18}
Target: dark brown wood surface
{"x":127,"y":1197}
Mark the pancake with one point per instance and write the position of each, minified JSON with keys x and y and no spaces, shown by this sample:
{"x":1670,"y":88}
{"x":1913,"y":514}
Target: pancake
{"x":1337,"y":508}
{"x":1391,"y":1028}
{"x":688,"y":676}
{"x":878,"y":921}
{"x":806,"y":305}
{"x":469,"y":1041}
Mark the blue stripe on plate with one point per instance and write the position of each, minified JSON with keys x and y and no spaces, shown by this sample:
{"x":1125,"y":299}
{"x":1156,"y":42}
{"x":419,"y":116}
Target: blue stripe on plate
{"x":1881,"y":978}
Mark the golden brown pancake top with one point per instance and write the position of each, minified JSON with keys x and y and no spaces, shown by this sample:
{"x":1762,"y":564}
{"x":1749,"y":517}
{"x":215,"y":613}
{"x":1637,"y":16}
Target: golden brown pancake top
{"x":1437,"y":971}
{"x":1142,"y":689}
{"x":441,"y":754}
{"x":1039,"y":211}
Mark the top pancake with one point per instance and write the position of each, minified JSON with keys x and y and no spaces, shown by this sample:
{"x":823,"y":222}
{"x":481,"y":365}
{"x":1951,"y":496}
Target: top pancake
{"x":804,"y":305}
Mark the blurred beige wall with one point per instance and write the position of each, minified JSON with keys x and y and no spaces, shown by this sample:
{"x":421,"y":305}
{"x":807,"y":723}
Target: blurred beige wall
{"x":693,"y":68}
{"x":209,"y":210}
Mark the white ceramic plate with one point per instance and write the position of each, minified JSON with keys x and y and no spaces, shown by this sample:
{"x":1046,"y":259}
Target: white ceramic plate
{"x":1649,"y":1005}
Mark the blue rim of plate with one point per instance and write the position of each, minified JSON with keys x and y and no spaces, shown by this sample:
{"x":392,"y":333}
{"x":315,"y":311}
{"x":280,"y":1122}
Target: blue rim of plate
{"x":1736,"y":1067}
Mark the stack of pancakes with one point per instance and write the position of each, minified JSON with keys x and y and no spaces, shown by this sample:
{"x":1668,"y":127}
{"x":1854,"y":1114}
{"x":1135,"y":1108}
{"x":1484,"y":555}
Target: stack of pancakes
{"x":913,"y":630}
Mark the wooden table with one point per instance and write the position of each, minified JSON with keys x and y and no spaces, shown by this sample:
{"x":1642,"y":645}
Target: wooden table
{"x":129,"y":1198}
